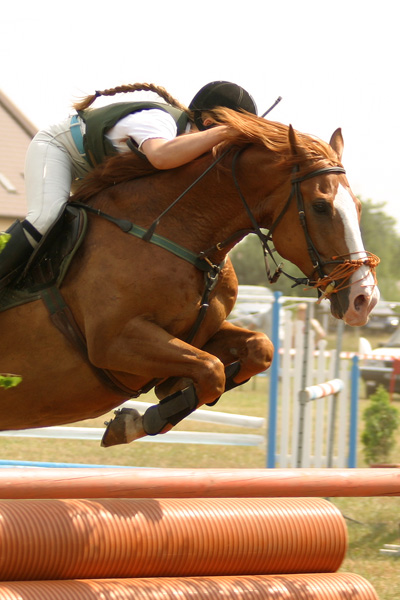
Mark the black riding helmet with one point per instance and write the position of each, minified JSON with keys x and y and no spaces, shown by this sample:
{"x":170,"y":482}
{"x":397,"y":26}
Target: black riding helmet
{"x":221,"y":93}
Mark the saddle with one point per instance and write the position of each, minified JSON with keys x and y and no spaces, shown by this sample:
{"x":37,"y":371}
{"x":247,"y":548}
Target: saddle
{"x":50,"y":261}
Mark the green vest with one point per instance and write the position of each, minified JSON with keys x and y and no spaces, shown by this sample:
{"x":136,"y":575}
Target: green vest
{"x":100,"y":120}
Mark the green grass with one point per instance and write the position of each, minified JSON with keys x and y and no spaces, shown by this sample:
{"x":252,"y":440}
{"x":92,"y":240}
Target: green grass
{"x":371,"y":522}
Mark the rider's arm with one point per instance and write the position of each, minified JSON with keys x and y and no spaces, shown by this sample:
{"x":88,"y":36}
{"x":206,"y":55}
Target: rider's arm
{"x":167,"y":154}
{"x":154,"y":131}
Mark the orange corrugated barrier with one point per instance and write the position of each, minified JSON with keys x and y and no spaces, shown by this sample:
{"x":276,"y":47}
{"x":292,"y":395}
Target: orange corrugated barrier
{"x":113,"y":538}
{"x":331,"y":586}
{"x":192,"y":483}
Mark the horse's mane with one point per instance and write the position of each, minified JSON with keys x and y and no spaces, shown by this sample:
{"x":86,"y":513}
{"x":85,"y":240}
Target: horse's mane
{"x":247,"y":128}
{"x":244,"y":129}
{"x":116,"y":169}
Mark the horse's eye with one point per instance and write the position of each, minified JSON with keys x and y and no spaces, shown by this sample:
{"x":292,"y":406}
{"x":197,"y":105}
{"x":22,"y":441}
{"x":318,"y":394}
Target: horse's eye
{"x":321,"y":206}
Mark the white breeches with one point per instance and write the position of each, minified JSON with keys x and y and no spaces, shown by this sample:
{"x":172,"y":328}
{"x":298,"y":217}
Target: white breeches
{"x":52,"y":164}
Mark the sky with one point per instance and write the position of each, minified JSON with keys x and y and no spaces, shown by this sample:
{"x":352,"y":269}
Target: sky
{"x":335,"y":64}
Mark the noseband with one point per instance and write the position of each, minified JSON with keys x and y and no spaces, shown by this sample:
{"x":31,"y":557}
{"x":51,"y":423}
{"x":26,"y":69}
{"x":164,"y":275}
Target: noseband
{"x":345,"y":266}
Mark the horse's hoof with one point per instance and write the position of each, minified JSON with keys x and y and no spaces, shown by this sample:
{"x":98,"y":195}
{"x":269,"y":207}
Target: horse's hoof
{"x":124,"y":428}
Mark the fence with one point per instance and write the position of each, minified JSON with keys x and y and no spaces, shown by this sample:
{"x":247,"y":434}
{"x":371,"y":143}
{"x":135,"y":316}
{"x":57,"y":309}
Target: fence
{"x":171,"y":437}
{"x":317,"y":392}
{"x":300,"y":433}
{"x":303,"y":433}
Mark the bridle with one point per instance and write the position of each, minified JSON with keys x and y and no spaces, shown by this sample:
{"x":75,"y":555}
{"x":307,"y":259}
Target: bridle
{"x":326,"y":284}
{"x":345,"y":265}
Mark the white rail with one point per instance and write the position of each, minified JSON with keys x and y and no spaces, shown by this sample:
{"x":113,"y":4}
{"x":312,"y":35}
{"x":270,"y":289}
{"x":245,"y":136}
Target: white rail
{"x":171,"y":437}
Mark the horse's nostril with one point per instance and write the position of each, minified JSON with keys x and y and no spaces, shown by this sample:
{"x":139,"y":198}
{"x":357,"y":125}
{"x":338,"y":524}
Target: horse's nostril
{"x":365,"y":302}
{"x":360,"y":302}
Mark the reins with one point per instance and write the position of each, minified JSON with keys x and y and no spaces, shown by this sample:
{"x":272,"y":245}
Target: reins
{"x":150,"y":232}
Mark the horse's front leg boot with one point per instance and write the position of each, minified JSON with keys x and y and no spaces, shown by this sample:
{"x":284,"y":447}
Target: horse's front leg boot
{"x":170,"y":411}
{"x":124,"y":428}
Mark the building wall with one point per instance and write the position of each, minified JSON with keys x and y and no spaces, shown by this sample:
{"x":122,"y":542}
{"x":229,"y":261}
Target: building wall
{"x":16,"y":134}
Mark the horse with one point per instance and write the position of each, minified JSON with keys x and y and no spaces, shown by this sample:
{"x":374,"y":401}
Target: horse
{"x":151,"y":286}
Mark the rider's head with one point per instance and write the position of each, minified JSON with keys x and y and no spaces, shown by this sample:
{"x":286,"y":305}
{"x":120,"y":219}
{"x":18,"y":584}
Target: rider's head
{"x":221,"y":93}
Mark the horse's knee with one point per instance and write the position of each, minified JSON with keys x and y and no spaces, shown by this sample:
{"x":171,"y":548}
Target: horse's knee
{"x":213,"y":372}
{"x":210,"y":382}
{"x":260,"y":351}
{"x":208,"y":379}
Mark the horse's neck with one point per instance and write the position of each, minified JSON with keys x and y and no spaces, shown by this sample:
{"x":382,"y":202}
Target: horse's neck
{"x":208,"y":211}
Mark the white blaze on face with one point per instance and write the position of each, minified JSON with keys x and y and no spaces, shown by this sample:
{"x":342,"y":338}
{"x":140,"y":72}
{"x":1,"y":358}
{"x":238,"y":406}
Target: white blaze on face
{"x":362,"y":280}
{"x":346,"y":207}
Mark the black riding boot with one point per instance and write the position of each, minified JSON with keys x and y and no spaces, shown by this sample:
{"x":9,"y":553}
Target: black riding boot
{"x":14,"y":254}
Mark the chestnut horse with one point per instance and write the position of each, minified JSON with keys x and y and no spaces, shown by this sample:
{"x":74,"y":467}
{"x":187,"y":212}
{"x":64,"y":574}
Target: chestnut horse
{"x":151,"y":306}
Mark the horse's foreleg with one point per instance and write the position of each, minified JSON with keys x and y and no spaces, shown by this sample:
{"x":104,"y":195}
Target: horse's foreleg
{"x":144,"y":351}
{"x":252,"y":351}
{"x":244,"y":353}
{"x":145,"y":348}
{"x":128,"y":425}
{"x":193,"y":376}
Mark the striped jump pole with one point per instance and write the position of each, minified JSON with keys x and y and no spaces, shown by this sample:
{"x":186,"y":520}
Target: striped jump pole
{"x":315,"y":392}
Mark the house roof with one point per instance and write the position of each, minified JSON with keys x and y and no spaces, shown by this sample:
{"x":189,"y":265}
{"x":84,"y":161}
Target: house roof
{"x":16,"y":133}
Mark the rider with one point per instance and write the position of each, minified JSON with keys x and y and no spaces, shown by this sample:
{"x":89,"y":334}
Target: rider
{"x":64,"y":153}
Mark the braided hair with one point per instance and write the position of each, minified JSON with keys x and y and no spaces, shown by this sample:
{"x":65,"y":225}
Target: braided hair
{"x":132,"y":87}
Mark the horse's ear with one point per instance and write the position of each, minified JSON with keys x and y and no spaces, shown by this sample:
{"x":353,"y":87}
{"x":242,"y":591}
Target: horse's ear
{"x":294,"y":144}
{"x":337,"y":142}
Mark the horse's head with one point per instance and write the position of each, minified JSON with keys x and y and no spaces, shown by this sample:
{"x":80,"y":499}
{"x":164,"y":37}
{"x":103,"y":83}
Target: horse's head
{"x":320,"y":233}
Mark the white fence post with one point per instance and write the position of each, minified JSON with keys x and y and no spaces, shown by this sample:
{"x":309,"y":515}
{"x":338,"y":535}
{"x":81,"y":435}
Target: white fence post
{"x":310,"y":393}
{"x":321,"y":439}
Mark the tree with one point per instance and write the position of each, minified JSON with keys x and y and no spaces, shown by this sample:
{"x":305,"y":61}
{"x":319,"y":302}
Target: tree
{"x":381,"y":421}
{"x":380,"y":237}
{"x":248,"y":261}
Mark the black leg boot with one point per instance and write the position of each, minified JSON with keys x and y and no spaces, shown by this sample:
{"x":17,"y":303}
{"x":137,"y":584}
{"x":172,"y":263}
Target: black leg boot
{"x":14,"y":254}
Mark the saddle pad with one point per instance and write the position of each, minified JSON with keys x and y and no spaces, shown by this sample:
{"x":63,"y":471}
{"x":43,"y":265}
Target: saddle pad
{"x":50,"y":261}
